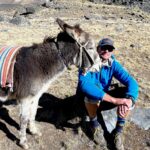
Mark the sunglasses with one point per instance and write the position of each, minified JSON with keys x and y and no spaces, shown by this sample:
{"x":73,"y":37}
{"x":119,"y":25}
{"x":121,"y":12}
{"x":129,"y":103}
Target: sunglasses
{"x":109,"y":48}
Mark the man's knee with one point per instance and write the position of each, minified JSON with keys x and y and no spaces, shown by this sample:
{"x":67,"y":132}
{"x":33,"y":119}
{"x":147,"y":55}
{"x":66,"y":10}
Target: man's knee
{"x":91,"y":101}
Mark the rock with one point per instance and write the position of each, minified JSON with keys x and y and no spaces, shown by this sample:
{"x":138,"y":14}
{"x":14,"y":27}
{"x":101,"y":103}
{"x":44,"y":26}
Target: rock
{"x":123,"y":2}
{"x":109,"y":2}
{"x":1,"y":18}
{"x":24,"y":11}
{"x":10,"y":1}
{"x":60,"y":6}
{"x":55,"y":5}
{"x":132,"y":45}
{"x":136,"y":45}
{"x":110,"y":118}
{"x":19,"y":21}
{"x":30,"y":10}
{"x":146,"y":6}
{"x":141,"y":117}
{"x":20,"y":11}
{"x":119,"y":28}
{"x":142,"y":4}
{"x":87,"y":17}
{"x":48,"y":4}
{"x":93,"y":17}
{"x":44,"y":1}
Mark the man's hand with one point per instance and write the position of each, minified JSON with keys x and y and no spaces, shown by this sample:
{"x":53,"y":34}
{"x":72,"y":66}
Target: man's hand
{"x":127,"y":102}
{"x":124,"y":104}
{"x":123,"y":110}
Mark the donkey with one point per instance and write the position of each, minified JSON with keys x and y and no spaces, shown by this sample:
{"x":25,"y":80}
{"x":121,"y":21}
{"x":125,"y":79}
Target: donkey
{"x":40,"y":64}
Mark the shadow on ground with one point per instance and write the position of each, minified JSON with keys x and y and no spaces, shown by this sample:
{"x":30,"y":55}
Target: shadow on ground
{"x":69,"y":113}
{"x":62,"y":113}
{"x":5,"y":118}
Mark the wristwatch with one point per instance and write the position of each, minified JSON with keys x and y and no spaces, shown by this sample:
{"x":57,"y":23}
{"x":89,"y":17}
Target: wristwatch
{"x":132,"y":99}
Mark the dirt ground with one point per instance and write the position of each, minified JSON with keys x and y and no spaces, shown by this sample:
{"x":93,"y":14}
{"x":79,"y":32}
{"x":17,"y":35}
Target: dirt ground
{"x":57,"y":118}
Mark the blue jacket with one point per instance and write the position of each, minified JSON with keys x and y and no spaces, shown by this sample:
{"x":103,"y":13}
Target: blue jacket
{"x":95,"y":84}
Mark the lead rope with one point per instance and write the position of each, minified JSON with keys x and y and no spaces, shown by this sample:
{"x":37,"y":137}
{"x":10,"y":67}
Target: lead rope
{"x":80,"y":59}
{"x":82,"y":47}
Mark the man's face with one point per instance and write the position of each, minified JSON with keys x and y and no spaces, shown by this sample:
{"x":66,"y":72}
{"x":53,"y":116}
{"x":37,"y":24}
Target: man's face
{"x":105,"y":52}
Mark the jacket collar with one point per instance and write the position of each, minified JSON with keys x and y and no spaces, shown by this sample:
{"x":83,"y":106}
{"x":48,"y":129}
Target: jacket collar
{"x":108,"y":62}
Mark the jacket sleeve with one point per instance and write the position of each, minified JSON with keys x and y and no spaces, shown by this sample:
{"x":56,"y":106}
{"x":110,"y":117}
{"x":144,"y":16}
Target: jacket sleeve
{"x":89,"y":87}
{"x":121,"y":74}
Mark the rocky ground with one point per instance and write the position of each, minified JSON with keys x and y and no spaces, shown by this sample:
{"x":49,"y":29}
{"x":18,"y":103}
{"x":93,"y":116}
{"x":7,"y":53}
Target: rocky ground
{"x":59,"y":114}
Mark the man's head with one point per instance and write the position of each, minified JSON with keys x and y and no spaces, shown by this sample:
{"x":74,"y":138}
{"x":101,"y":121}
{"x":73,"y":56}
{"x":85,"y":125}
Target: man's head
{"x":105,"y":48}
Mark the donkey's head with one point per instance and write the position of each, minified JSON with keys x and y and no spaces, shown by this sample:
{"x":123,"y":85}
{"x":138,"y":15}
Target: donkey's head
{"x":87,"y":57}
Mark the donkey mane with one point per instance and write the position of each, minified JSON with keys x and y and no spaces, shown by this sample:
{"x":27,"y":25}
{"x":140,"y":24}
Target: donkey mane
{"x":48,"y":40}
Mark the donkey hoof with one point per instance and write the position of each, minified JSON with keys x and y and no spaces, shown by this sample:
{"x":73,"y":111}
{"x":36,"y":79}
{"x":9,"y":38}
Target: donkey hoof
{"x":24,"y":145}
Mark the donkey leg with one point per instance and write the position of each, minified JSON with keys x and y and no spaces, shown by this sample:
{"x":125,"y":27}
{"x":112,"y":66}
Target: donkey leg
{"x":24,"y":118}
{"x":33,"y":110}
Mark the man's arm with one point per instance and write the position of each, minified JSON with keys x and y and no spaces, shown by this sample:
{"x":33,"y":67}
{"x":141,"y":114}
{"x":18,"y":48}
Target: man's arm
{"x":117,"y":101}
{"x":124,"y":104}
{"x":121,"y":74}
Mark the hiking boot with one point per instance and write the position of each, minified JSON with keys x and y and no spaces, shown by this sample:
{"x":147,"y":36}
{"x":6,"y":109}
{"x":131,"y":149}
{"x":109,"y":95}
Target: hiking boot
{"x":118,"y":140}
{"x":95,"y":132}
{"x":97,"y":136}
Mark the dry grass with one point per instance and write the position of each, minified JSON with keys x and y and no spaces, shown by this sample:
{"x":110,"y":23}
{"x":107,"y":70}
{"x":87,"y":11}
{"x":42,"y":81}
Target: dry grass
{"x":131,"y":36}
{"x":132,"y":32}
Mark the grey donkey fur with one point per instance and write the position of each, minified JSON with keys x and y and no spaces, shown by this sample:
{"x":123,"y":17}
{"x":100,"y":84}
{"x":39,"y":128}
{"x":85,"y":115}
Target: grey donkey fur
{"x":37,"y":66}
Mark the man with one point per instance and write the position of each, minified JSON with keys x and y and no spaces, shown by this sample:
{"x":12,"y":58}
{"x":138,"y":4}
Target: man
{"x":96,"y":88}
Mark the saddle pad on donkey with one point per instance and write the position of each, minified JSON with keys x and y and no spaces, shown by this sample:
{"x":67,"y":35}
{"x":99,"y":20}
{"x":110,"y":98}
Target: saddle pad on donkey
{"x":7,"y":61}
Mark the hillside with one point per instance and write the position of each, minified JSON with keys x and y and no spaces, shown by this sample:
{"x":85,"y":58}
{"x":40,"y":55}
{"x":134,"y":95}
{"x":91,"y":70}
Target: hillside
{"x":58,"y":115}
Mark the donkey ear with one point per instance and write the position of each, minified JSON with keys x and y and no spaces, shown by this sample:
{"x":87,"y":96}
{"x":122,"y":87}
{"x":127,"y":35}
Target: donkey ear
{"x":71,"y":32}
{"x":77,"y":34}
{"x":61,"y":23}
{"x":74,"y":32}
